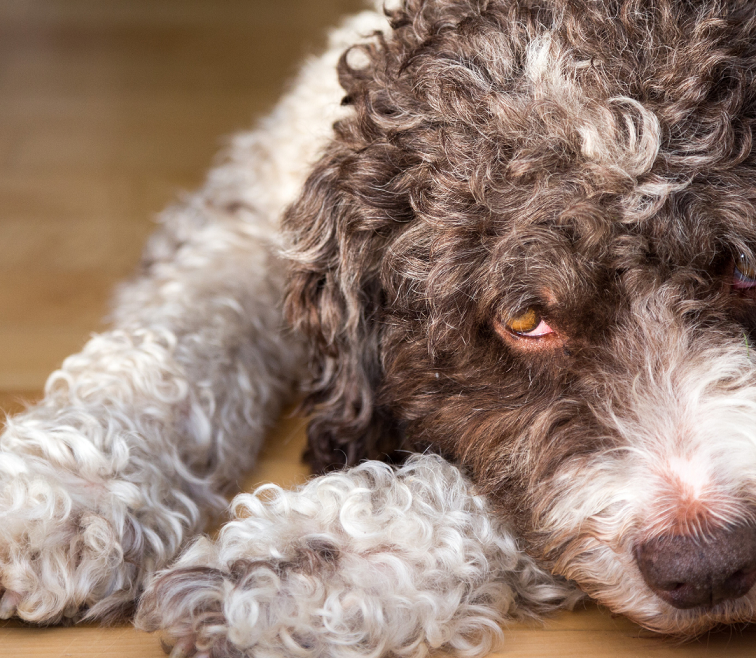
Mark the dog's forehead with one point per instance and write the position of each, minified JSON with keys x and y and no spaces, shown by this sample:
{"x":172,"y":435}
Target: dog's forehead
{"x":576,"y":137}
{"x":584,"y":122}
{"x":694,"y":228}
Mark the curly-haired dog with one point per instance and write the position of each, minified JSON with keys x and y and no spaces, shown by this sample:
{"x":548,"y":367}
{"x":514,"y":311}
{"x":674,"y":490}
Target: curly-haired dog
{"x":520,"y":235}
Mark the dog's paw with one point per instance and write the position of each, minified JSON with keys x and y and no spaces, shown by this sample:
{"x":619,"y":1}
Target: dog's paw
{"x":187,"y":604}
{"x":91,"y":500}
{"x":70,"y":543}
{"x":207,"y":607}
{"x":368,"y":562}
{"x":59,"y":560}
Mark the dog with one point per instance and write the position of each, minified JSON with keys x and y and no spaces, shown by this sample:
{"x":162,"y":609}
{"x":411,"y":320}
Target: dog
{"x":515,"y":241}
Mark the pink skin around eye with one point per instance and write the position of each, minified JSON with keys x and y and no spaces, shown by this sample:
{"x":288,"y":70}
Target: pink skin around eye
{"x":543,"y":329}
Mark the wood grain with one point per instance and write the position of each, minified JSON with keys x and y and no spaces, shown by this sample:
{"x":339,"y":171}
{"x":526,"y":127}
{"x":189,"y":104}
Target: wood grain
{"x":108,"y":110}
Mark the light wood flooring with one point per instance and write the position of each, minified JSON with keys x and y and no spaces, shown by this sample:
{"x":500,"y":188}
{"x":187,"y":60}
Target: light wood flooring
{"x":108,"y":110}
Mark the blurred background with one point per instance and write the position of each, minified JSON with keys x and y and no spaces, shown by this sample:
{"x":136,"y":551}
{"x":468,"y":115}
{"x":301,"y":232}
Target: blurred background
{"x":108,"y":110}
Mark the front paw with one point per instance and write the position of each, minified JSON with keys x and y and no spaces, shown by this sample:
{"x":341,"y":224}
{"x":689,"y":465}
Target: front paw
{"x":368,"y":562}
{"x":68,"y":546}
{"x":210,"y":608}
{"x":58,"y":559}
{"x":187,"y":602}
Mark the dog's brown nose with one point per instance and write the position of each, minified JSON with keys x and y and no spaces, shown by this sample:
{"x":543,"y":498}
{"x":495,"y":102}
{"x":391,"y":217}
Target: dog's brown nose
{"x":687,"y":572}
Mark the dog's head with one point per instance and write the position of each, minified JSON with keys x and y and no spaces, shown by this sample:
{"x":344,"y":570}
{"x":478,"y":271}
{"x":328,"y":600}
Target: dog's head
{"x":533,"y":247}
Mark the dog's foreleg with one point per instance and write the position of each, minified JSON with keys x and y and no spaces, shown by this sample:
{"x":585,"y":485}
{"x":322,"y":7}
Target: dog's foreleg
{"x":105,"y":479}
{"x":366,"y":562}
{"x":138,"y":434}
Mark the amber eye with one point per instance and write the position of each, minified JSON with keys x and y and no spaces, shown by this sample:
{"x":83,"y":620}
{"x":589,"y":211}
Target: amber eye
{"x":529,"y":323}
{"x":744,"y":274}
{"x":525,"y":322}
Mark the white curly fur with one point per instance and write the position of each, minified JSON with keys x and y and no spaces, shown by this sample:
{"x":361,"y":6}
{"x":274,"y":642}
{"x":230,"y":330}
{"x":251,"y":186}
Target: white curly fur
{"x":367,"y":562}
{"x":104,"y":480}
{"x":124,"y":459}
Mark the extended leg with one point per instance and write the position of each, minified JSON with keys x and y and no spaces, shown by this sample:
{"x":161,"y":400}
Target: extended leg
{"x":366,"y":562}
{"x":104,"y":480}
{"x":137,"y":435}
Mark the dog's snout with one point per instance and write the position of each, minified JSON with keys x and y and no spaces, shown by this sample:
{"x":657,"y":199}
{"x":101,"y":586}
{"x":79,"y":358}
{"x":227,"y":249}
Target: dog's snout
{"x":688,"y":572}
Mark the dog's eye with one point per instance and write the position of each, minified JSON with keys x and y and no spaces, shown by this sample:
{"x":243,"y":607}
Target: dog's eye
{"x":744,"y":274}
{"x":530,"y":324}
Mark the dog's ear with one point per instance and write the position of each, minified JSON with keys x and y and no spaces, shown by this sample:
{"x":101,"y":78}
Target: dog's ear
{"x":335,"y":298}
{"x":351,"y":207}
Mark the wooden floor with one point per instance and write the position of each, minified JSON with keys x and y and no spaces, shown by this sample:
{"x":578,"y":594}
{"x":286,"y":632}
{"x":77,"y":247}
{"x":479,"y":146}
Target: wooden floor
{"x":108,"y":110}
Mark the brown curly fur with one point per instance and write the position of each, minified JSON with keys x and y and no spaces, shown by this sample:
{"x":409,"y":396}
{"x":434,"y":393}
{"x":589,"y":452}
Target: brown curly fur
{"x":466,"y":188}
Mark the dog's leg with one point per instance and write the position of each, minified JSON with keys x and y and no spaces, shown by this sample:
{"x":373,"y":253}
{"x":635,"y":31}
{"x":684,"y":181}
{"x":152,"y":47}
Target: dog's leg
{"x":104,"y":480}
{"x":137,"y":435}
{"x":366,"y":562}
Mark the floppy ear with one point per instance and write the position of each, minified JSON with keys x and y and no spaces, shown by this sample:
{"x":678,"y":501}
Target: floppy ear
{"x":352,"y":204}
{"x":335,"y":299}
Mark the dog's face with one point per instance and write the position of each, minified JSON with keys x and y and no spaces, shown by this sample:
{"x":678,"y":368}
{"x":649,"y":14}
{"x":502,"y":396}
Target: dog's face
{"x":533,"y":247}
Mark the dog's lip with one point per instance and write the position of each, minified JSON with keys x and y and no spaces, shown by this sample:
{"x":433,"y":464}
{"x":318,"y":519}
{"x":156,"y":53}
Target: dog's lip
{"x":687,"y":623}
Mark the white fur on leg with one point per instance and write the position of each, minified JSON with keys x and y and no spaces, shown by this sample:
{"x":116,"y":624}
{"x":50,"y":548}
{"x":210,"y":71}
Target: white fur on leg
{"x":366,"y":562}
{"x":104,"y":481}
{"x":138,"y":434}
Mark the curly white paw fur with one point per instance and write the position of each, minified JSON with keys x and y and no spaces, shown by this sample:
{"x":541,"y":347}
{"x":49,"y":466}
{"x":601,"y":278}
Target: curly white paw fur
{"x":367,"y":562}
{"x":92,"y":487}
{"x":58,"y":561}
